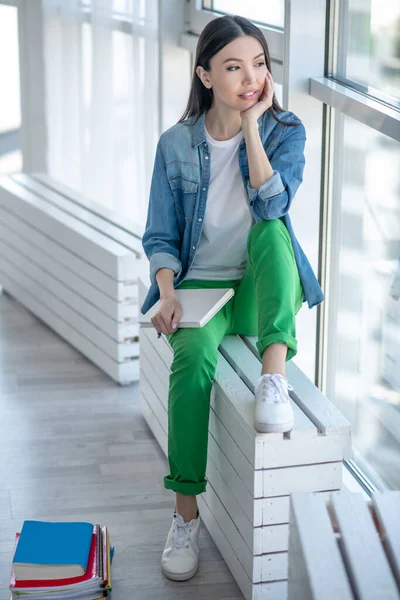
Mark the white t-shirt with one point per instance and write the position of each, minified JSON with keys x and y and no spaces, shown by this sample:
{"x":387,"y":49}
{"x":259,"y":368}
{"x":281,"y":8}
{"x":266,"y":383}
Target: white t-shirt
{"x":222,"y":251}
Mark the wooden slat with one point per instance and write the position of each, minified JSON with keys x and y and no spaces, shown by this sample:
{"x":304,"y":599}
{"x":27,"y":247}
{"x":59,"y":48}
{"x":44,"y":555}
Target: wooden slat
{"x":248,"y":368}
{"x":275,"y":590}
{"x":116,"y":290}
{"x":362,"y":550}
{"x":259,"y":540}
{"x":123,"y":373}
{"x":112,"y":216}
{"x":276,"y":510}
{"x":315,"y":566}
{"x":266,"y":567}
{"x":102,"y":252}
{"x":119,"y":352}
{"x":312,"y":402}
{"x":82,"y":213}
{"x":46,"y":284}
{"x":387,"y":511}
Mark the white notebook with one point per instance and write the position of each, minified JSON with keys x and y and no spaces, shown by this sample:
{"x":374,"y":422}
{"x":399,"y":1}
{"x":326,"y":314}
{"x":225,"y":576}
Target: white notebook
{"x":198,"y":306}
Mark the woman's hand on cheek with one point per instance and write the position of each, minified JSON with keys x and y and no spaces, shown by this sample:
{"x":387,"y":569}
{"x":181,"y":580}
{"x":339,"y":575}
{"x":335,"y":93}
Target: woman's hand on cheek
{"x":264,"y":102}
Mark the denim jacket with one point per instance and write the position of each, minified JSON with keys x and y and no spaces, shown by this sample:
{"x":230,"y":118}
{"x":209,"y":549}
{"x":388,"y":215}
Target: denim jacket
{"x":178,"y":196}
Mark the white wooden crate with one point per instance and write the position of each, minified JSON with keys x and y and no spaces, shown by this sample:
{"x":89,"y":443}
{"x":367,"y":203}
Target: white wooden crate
{"x":250,"y":475}
{"x":74,"y":264}
{"x":343,"y":547}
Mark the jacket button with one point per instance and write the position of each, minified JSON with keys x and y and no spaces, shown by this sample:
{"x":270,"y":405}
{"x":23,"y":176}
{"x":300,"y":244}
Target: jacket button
{"x":193,"y":247}
{"x":204,"y":189}
{"x":200,"y":219}
{"x":206,"y":157}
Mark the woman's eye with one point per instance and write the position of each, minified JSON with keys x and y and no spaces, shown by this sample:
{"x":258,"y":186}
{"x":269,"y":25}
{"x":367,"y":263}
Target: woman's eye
{"x":233,"y":68}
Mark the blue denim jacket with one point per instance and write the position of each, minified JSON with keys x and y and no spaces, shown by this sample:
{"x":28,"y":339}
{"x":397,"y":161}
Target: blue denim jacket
{"x":178,"y":196}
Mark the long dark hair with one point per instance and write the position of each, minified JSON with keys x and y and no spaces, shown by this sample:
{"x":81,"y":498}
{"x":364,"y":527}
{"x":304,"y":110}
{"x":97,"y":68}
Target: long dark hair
{"x":216,"y":35}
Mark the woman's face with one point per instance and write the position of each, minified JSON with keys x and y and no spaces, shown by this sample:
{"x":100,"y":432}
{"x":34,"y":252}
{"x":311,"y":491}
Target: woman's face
{"x":237,"y":74}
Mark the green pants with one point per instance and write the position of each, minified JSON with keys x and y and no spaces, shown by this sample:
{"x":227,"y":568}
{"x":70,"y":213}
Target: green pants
{"x":265,"y":303}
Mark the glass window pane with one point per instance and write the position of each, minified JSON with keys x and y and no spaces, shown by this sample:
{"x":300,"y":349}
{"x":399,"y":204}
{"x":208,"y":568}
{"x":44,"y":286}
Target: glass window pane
{"x":10,"y":108}
{"x":368,"y":47}
{"x":124,"y":6}
{"x":363,"y":366}
{"x":11,"y":162}
{"x":10,"y":104}
{"x":271,"y":13}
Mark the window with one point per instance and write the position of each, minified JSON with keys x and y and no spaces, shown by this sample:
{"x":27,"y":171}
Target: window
{"x":363,"y":361}
{"x":271,"y":13}
{"x":368,"y":47}
{"x":10,"y":108}
{"x":102,"y":104}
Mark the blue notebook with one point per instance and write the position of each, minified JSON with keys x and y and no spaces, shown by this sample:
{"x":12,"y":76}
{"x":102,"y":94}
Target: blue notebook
{"x":52,"y":550}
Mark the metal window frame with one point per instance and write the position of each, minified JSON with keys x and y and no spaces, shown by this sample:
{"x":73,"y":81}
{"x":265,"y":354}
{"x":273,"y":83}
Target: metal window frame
{"x":359,"y":106}
{"x":346,"y":99}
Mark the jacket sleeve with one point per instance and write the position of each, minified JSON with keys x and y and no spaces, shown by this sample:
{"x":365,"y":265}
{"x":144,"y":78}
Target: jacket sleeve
{"x":273,"y":198}
{"x":161,"y":240}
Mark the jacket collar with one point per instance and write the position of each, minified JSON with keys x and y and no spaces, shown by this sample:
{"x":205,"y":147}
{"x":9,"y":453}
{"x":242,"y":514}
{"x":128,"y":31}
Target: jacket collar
{"x":198,"y":133}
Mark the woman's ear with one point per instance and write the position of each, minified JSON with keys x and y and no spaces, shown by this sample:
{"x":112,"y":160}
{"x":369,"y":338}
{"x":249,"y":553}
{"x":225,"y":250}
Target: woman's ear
{"x":203,"y":76}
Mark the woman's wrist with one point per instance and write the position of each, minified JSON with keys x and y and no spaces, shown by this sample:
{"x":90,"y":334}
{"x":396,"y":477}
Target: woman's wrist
{"x":249,"y":128}
{"x":165,"y":281}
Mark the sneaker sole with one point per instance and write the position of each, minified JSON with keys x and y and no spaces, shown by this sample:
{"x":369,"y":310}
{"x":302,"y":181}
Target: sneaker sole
{"x":274,"y":427}
{"x":180,"y":576}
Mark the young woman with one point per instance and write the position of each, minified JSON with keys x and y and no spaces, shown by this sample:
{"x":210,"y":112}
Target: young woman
{"x":223,"y":182}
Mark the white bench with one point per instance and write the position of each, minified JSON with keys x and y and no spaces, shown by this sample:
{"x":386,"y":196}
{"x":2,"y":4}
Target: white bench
{"x":74,"y":264}
{"x":344,"y":547}
{"x":250,"y":475}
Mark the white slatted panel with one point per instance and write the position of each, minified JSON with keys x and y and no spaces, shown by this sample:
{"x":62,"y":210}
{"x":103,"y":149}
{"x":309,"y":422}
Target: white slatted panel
{"x":99,"y":209}
{"x":73,"y":265}
{"x":99,"y":250}
{"x":67,"y":286}
{"x":365,"y":559}
{"x":339,"y":548}
{"x":387,"y":511}
{"x":116,"y":290}
{"x":81,"y":213}
{"x":315,"y":566}
{"x":124,"y":373}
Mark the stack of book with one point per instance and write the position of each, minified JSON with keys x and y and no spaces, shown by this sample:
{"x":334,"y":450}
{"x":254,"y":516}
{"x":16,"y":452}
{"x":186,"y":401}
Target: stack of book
{"x":61,"y":560}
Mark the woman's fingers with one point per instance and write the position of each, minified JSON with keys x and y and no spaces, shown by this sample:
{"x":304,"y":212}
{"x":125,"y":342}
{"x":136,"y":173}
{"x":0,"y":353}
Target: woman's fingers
{"x":163,"y":324}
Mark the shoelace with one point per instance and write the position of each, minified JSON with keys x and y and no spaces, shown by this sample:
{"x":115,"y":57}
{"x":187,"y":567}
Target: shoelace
{"x":275,"y":387}
{"x":180,"y":534}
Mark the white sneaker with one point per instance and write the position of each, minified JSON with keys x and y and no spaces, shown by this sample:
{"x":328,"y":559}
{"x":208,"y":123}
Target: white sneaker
{"x":180,"y":558}
{"x":273,"y":412}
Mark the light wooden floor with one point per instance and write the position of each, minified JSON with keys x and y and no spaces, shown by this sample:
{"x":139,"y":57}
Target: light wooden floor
{"x":74,"y":446}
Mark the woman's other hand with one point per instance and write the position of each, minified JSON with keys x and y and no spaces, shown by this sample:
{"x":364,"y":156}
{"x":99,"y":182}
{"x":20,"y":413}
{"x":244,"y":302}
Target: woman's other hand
{"x":168,"y":315}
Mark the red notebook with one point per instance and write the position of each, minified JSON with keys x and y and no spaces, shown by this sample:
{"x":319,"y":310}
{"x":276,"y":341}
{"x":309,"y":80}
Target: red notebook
{"x":97,"y":573}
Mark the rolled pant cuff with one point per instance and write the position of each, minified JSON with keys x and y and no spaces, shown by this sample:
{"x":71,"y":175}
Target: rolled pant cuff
{"x":189,"y":489}
{"x":278,"y":338}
